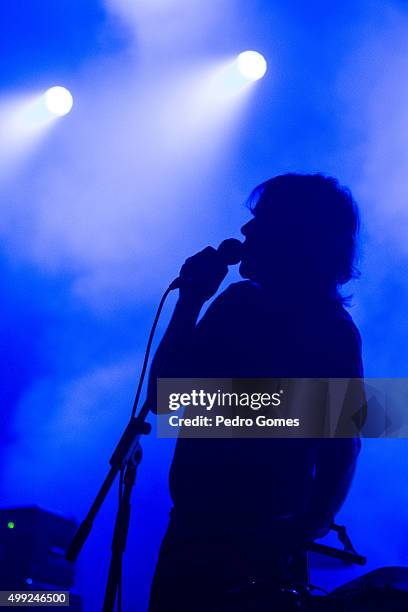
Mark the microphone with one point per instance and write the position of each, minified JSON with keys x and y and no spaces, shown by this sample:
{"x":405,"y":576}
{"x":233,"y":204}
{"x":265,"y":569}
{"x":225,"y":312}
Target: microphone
{"x":230,"y":252}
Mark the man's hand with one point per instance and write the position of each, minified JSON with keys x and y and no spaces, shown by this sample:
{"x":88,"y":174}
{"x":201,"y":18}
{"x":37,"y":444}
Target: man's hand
{"x":201,"y":275}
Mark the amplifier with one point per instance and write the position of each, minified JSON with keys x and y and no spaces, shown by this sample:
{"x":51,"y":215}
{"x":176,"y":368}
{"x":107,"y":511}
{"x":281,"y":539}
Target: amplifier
{"x":32,"y":546}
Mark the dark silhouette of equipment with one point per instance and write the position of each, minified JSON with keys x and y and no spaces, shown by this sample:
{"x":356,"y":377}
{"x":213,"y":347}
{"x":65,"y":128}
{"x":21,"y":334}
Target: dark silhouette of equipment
{"x":382,"y":590}
{"x":33,"y":542}
{"x":348,"y":554}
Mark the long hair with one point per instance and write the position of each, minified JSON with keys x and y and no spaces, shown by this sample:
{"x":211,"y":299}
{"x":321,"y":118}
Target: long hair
{"x":321,"y":220}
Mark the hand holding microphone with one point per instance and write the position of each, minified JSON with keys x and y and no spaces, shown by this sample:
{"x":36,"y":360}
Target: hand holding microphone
{"x":202,"y":274}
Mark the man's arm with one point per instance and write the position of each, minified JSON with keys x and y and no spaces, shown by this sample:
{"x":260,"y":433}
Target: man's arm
{"x":173,"y":355}
{"x":201,"y":275}
{"x":335,"y":467}
{"x":337,"y":457}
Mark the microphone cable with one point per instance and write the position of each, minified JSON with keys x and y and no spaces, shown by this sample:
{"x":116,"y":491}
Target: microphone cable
{"x":143,"y":413}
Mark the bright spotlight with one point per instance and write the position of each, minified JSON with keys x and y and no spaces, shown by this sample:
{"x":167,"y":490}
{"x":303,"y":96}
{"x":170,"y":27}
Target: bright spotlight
{"x":58,"y":101}
{"x":252,"y":65}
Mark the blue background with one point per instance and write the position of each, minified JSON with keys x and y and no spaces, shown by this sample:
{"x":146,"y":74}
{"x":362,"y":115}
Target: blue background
{"x":153,"y":163}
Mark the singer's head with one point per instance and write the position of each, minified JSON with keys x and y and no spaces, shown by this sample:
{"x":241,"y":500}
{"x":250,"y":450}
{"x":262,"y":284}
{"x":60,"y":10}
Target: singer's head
{"x":302,"y":237}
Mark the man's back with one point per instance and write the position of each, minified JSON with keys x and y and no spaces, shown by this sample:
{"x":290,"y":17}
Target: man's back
{"x":245,"y":334}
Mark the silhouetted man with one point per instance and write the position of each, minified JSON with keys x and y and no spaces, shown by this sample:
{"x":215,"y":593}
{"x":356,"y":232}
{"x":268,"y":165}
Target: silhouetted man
{"x":244,"y":508}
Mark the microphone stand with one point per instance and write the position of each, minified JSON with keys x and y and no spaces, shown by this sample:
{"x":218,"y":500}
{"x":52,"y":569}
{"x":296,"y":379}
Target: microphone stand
{"x":125,"y":460}
{"x":127,"y":481}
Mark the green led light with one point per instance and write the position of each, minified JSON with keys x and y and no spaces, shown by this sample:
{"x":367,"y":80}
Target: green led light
{"x":10,"y":525}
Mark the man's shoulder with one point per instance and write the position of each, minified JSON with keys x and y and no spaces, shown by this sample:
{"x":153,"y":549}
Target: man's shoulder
{"x":345,"y":325}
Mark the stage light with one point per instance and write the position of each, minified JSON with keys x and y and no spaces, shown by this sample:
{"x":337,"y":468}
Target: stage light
{"x":252,"y":65}
{"x":58,"y":101}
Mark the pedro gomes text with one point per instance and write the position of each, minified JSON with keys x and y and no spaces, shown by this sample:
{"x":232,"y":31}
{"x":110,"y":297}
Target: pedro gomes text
{"x":211,"y":401}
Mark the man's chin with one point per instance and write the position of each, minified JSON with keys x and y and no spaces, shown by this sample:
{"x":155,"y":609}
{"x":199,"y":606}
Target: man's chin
{"x":244,"y":270}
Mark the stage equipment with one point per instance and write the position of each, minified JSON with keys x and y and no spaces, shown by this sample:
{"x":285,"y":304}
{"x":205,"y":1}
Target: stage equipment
{"x":33,"y":542}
